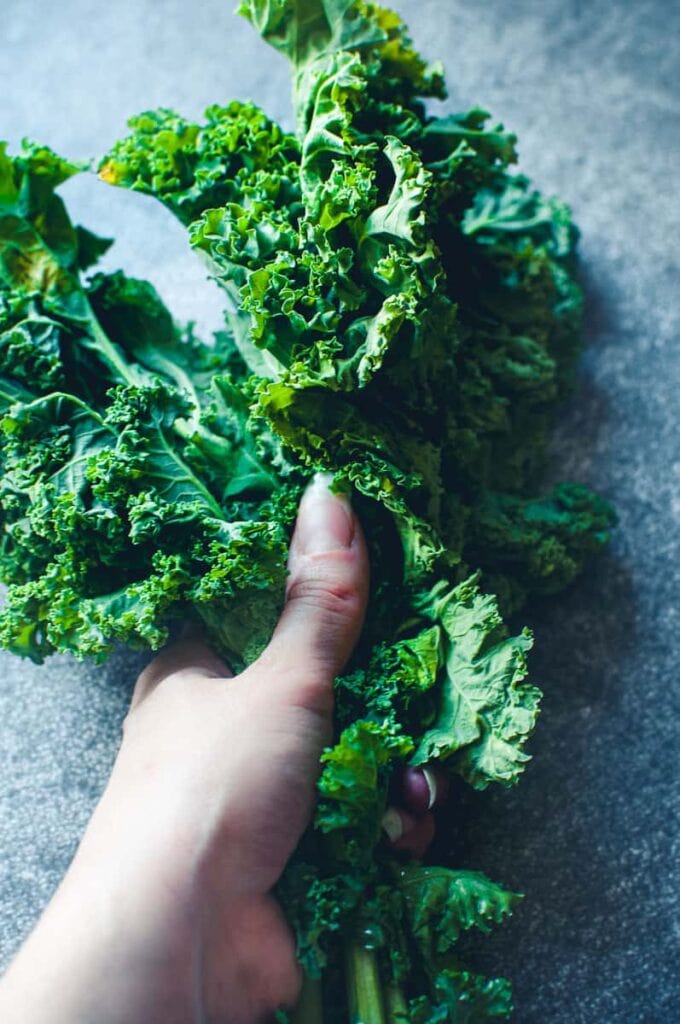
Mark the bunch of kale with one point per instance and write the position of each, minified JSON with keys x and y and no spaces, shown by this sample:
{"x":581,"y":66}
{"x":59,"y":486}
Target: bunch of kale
{"x":401,"y":310}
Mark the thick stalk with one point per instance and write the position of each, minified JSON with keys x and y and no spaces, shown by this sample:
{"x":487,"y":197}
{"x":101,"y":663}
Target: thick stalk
{"x":309,"y":1007}
{"x":395,"y":1004}
{"x":364,"y":991}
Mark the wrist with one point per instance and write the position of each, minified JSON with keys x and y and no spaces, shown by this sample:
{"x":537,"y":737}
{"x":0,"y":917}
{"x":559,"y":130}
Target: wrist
{"x":120,"y":940}
{"x":103,"y":951}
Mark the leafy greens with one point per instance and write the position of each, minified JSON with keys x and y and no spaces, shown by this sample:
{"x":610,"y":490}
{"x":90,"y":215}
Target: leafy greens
{"x":401,"y":309}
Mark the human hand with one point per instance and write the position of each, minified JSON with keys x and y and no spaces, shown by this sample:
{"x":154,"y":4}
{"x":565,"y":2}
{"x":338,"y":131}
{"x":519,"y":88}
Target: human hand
{"x":167,"y":907}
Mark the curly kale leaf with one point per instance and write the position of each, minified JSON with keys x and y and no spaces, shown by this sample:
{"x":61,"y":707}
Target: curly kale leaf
{"x":233,"y":181}
{"x":537,"y":545}
{"x":410,"y":305}
{"x":353,"y":783}
{"x":462,"y":997}
{"x":487,"y":712}
{"x":439,"y":905}
{"x":49,"y":334}
{"x":402,"y":309}
{"x":456,"y":686}
{"x":304,"y":31}
{"x":132,"y":485}
{"x":123,"y":529}
{"x":442,"y":903}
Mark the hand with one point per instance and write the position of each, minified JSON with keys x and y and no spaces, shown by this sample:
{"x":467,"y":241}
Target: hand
{"x":166,"y":913}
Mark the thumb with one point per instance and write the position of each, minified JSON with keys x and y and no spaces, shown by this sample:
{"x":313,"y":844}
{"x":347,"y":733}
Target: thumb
{"x":327,"y":588}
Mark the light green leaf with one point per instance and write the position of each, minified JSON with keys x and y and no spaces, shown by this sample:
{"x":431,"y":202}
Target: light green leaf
{"x":304,"y":30}
{"x":442,"y":903}
{"x":486,"y":711}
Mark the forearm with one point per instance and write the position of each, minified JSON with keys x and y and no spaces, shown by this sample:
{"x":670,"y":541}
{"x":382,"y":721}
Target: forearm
{"x":117,"y":942}
{"x":94,"y":958}
{"x":148,"y":927}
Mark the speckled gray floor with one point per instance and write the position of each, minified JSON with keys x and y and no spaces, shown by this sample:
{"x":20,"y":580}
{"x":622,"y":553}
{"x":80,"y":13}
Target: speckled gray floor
{"x":592,"y":835}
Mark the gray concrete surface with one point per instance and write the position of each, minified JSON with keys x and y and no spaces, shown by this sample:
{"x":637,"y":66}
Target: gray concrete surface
{"x":591,"y":836}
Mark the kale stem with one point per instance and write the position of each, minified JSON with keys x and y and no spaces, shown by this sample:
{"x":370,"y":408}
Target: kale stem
{"x":63,"y":396}
{"x":397,"y":1010}
{"x":363,"y":986}
{"x":309,"y":1007}
{"x":111,"y":353}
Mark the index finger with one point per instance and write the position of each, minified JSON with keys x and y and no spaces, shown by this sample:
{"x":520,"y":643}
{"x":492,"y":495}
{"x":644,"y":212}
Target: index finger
{"x":190,"y":654}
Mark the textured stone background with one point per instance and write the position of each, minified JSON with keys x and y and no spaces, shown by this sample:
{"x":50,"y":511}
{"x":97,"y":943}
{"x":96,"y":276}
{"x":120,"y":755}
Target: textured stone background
{"x":592,"y":834}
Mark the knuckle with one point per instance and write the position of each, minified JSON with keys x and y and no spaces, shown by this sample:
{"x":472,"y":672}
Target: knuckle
{"x":333,"y":597}
{"x":329,"y":582}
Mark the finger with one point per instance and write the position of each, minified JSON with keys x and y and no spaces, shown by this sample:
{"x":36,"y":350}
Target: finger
{"x":187,"y":655}
{"x":408,"y":833}
{"x":421,"y":789}
{"x":327,"y":588}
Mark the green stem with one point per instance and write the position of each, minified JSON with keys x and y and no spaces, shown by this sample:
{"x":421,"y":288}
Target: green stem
{"x":397,"y":1010}
{"x":309,"y":1007}
{"x":11,"y":392}
{"x":110,"y":353}
{"x":188,"y":474}
{"x":363,"y":986}
{"x":63,"y":396}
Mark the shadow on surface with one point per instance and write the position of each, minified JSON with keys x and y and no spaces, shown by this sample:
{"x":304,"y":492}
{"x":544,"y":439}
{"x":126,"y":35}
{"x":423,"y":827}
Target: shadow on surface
{"x":545,"y":838}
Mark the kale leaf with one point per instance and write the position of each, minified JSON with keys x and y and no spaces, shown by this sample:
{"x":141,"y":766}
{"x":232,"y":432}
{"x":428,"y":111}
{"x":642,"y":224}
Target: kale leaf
{"x":402,"y":309}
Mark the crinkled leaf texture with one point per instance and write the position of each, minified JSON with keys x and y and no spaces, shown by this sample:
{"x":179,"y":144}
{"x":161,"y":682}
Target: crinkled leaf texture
{"x":487,"y":711}
{"x":442,"y":903}
{"x":402,"y":309}
{"x":132,"y":487}
{"x":305,"y":29}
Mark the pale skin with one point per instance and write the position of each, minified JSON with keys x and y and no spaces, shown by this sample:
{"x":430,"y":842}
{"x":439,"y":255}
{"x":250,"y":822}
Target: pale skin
{"x":166,"y":913}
